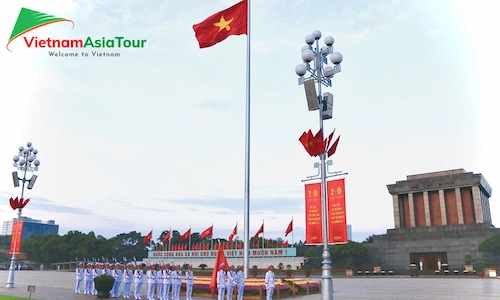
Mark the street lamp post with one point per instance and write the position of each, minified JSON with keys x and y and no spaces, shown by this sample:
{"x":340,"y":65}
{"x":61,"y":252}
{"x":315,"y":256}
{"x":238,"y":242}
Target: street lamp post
{"x":315,"y":62}
{"x":25,"y":161}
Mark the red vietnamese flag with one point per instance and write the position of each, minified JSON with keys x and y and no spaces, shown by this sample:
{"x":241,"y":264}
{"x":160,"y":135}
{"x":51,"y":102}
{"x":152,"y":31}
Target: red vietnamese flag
{"x":304,"y":140}
{"x":261,"y":230}
{"x":217,"y":27}
{"x":148,"y":237}
{"x":166,"y":237}
{"x":233,"y":233}
{"x":329,"y":140}
{"x":313,"y":144}
{"x":289,"y":228}
{"x":207,"y":232}
{"x":318,"y":144}
{"x":332,"y":150}
{"x":18,"y":203}
{"x":185,"y":236}
{"x":219,"y":260}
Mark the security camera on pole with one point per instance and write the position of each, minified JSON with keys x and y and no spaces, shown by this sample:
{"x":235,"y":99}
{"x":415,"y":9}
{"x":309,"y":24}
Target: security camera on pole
{"x":315,"y":62}
{"x":25,"y":161}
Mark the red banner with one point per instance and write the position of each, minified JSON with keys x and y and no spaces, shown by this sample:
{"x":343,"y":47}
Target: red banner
{"x":17,"y":232}
{"x":314,"y":232}
{"x":337,"y":229}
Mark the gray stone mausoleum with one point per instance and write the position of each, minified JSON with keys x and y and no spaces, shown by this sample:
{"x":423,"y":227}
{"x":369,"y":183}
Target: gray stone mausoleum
{"x":440,"y":215}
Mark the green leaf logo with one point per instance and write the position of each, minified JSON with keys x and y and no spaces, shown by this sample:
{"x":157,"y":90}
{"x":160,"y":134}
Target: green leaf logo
{"x":30,"y":19}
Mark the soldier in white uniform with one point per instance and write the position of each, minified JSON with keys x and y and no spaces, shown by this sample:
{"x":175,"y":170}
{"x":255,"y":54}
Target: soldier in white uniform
{"x":270,"y":282}
{"x":128,"y":275}
{"x":151,"y":281}
{"x":221,"y":282}
{"x":79,"y":278}
{"x":117,"y":274}
{"x":107,"y":269}
{"x":189,"y":282}
{"x":176,"y":282}
{"x":159,"y":281}
{"x":230,"y":283}
{"x":167,"y":281}
{"x":138,"y":279}
{"x":88,"y":279}
{"x":98,"y":270}
{"x":240,"y":278}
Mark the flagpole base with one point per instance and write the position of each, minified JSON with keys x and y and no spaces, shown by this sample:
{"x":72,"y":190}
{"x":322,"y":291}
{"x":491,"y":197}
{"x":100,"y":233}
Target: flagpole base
{"x":326,"y":277}
{"x":10,"y":280}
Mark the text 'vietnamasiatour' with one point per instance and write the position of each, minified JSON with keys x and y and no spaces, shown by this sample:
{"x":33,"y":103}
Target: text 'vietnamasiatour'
{"x":116,"y":42}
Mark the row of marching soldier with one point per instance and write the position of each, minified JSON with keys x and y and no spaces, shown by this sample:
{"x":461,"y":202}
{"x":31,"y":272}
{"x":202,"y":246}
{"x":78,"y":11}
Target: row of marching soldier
{"x":163,"y":281}
{"x":228,"y":280}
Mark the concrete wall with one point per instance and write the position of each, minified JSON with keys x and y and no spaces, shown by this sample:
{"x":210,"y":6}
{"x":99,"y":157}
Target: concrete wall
{"x":395,"y":247}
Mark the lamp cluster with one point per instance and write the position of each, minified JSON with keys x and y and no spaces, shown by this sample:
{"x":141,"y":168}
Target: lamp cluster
{"x":26,"y":159}
{"x":319,"y":56}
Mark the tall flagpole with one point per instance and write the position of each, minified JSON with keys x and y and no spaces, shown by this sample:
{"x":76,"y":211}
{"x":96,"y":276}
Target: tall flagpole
{"x":169,"y":239}
{"x":292,"y":231}
{"x":212,"y":238}
{"x":246,"y":249}
{"x":263,"y":239}
{"x":236,"y":232}
{"x":189,"y":241}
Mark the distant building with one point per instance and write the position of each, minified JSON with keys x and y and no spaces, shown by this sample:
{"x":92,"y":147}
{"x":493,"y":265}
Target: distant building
{"x":30,"y":227}
{"x":349,"y":232}
{"x":440,"y":215}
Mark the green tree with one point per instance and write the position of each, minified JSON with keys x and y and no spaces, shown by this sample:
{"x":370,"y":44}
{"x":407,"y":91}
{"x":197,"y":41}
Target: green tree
{"x":491,"y":248}
{"x":369,"y":239}
{"x":74,"y":245}
{"x":128,"y":245}
{"x":349,"y":263}
{"x":340,"y":253}
{"x":313,"y":251}
{"x":300,"y":248}
{"x":5,"y":242}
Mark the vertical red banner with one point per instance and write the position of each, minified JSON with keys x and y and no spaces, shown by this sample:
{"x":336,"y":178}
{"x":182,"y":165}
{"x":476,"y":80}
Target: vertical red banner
{"x":17,"y":232}
{"x":337,"y":229}
{"x":314,"y":232}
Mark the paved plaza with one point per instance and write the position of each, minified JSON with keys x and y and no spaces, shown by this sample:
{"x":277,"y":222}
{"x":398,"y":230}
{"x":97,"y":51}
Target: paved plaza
{"x":53,"y":285}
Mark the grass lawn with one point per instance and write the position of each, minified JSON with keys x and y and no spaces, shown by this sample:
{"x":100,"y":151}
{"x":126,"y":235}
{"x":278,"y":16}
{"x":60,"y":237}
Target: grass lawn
{"x":3,"y":297}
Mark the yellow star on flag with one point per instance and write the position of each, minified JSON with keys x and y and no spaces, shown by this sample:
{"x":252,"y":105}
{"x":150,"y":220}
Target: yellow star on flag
{"x":223,"y":24}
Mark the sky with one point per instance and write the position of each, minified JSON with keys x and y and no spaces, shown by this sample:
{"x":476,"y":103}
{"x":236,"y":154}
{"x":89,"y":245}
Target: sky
{"x":155,"y":139}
